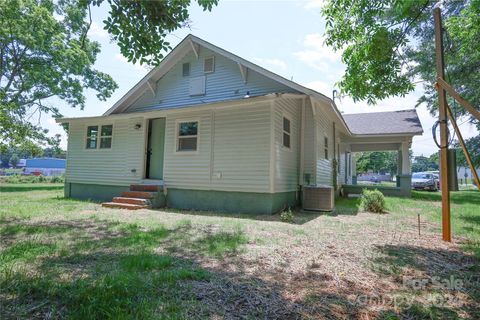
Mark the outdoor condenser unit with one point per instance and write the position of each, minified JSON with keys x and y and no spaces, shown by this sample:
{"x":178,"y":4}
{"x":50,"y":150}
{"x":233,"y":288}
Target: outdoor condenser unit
{"x":318,"y":198}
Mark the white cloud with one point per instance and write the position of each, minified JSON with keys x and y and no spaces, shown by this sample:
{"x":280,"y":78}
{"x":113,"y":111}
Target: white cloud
{"x":320,"y":86}
{"x":97,"y":31}
{"x":136,"y":66}
{"x":275,"y":63}
{"x":318,"y":55}
{"x":314,"y":4}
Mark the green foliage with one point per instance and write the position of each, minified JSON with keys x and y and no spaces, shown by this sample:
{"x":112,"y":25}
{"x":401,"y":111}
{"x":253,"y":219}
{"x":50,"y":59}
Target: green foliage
{"x":139,"y":27}
{"x":287,"y":216}
{"x":42,"y":57}
{"x":388,"y":45}
{"x":19,"y":179}
{"x":473,"y":147}
{"x":45,"y":52}
{"x":373,"y":201}
{"x":14,"y":160}
{"x":377,"y":162}
{"x":422,"y":163}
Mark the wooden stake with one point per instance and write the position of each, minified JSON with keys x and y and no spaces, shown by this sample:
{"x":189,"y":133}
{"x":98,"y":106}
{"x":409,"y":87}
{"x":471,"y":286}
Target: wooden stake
{"x":464,"y":147}
{"x":454,"y":94}
{"x":442,"y":102}
{"x":418,"y":224}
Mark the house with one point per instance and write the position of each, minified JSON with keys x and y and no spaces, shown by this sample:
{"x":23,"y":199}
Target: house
{"x":209,"y":130}
{"x":45,"y":166}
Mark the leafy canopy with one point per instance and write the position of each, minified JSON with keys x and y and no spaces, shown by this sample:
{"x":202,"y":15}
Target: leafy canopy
{"x":45,"y":52}
{"x":388,"y":45}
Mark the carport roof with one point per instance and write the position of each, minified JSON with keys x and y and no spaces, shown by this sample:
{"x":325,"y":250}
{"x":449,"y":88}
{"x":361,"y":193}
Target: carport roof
{"x":384,"y":123}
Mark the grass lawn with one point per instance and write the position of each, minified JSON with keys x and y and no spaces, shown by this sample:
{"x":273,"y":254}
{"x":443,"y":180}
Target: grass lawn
{"x":62,"y":258}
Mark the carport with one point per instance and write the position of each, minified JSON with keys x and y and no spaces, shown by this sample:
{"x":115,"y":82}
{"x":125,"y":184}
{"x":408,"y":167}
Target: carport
{"x":384,"y":131}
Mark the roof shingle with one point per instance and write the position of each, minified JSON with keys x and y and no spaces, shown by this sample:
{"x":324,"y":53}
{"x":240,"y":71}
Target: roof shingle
{"x":392,"y":122}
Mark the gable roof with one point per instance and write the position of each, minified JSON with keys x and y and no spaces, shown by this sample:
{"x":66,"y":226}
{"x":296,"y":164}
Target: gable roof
{"x":190,"y":43}
{"x":382,"y":123}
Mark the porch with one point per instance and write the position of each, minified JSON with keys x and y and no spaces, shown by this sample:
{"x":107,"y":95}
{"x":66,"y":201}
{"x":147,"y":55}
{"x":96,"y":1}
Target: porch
{"x":403,"y":177}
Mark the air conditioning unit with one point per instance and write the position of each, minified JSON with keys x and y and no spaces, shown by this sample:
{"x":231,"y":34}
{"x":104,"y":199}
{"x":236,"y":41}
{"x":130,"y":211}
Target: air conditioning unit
{"x":318,"y":198}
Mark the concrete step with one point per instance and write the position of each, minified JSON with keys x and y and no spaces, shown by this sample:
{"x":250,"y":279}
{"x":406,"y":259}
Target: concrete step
{"x":127,"y":206}
{"x":140,"y":201}
{"x":146,"y":187}
{"x":139,"y":194}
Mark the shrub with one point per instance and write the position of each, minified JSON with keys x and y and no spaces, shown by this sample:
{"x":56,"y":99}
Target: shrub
{"x":287,"y":216}
{"x":373,"y":201}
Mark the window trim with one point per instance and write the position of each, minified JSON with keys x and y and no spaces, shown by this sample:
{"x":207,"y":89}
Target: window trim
{"x":189,"y":69}
{"x":285,"y":116}
{"x":213,"y":64}
{"x":177,"y":136}
{"x":99,"y":125}
{"x":326,"y":151}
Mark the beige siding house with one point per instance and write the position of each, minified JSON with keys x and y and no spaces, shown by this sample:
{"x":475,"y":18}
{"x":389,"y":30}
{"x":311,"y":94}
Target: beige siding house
{"x":208,"y":130}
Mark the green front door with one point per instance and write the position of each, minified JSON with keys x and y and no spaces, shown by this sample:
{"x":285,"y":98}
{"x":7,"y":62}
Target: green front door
{"x":156,"y":143}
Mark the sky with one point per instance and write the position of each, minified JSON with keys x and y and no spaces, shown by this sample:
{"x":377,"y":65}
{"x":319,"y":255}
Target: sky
{"x":285,"y":37}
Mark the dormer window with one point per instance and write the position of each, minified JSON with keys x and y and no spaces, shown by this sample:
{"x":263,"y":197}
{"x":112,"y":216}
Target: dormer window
{"x":209,"y":65}
{"x":186,"y":69}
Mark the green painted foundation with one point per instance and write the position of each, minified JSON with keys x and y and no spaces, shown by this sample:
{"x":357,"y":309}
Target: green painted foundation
{"x":232,"y":202}
{"x":94,"y":192}
{"x":204,"y":200}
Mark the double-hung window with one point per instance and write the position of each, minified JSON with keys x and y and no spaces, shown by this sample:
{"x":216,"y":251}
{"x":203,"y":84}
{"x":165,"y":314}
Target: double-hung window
{"x":99,"y":139}
{"x":326,"y":147}
{"x":286,"y":132}
{"x":187,"y":136}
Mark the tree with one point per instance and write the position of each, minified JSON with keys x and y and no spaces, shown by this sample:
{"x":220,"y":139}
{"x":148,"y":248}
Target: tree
{"x":388,"y":45}
{"x":42,"y":57}
{"x":473,"y":146}
{"x":14,"y":160}
{"x":45,"y":52}
{"x":378,"y":162}
{"x":422,"y":163}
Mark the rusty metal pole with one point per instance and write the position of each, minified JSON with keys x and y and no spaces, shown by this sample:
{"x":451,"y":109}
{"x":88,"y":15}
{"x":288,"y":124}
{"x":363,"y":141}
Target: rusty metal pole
{"x":442,"y":106}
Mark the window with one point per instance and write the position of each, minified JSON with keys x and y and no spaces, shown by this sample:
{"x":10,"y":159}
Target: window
{"x":186,"y":69}
{"x":326,"y":147}
{"x":209,"y":65}
{"x":286,"y":132}
{"x":105,"y":137}
{"x":92,"y":135}
{"x":187,"y":138}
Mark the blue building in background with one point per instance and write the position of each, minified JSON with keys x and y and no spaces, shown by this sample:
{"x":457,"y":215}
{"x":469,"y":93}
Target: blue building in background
{"x":46,"y":166}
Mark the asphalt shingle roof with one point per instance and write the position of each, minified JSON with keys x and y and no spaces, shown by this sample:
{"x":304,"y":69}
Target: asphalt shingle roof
{"x":392,"y":122}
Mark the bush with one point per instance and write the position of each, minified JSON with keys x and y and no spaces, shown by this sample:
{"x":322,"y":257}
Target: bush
{"x":373,"y":201}
{"x":16,"y":179}
{"x":287,"y":216}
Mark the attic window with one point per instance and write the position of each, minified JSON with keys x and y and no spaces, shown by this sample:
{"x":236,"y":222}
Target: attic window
{"x":186,"y":69}
{"x":209,"y":65}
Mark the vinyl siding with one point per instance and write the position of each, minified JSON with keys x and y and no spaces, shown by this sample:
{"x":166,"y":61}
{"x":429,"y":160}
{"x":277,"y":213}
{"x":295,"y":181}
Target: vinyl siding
{"x":189,"y":170}
{"x":309,"y":160}
{"x":225,"y":83}
{"x":233,"y":152}
{"x":324,"y":128}
{"x":287,"y":160}
{"x":106,"y":166}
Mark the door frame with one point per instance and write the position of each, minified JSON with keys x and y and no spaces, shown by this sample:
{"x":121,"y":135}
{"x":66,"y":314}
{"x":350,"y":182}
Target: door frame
{"x":146,"y":159}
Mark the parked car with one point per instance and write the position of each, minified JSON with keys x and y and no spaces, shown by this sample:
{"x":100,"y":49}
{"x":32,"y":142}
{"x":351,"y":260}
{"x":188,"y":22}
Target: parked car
{"x":437,"y":180}
{"x":424,"y":181}
{"x":374,"y":179}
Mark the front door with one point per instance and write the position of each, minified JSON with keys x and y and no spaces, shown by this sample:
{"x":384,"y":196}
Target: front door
{"x":155,"y":149}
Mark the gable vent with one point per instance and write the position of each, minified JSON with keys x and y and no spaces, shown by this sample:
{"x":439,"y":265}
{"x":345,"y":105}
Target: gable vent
{"x":209,"y":65}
